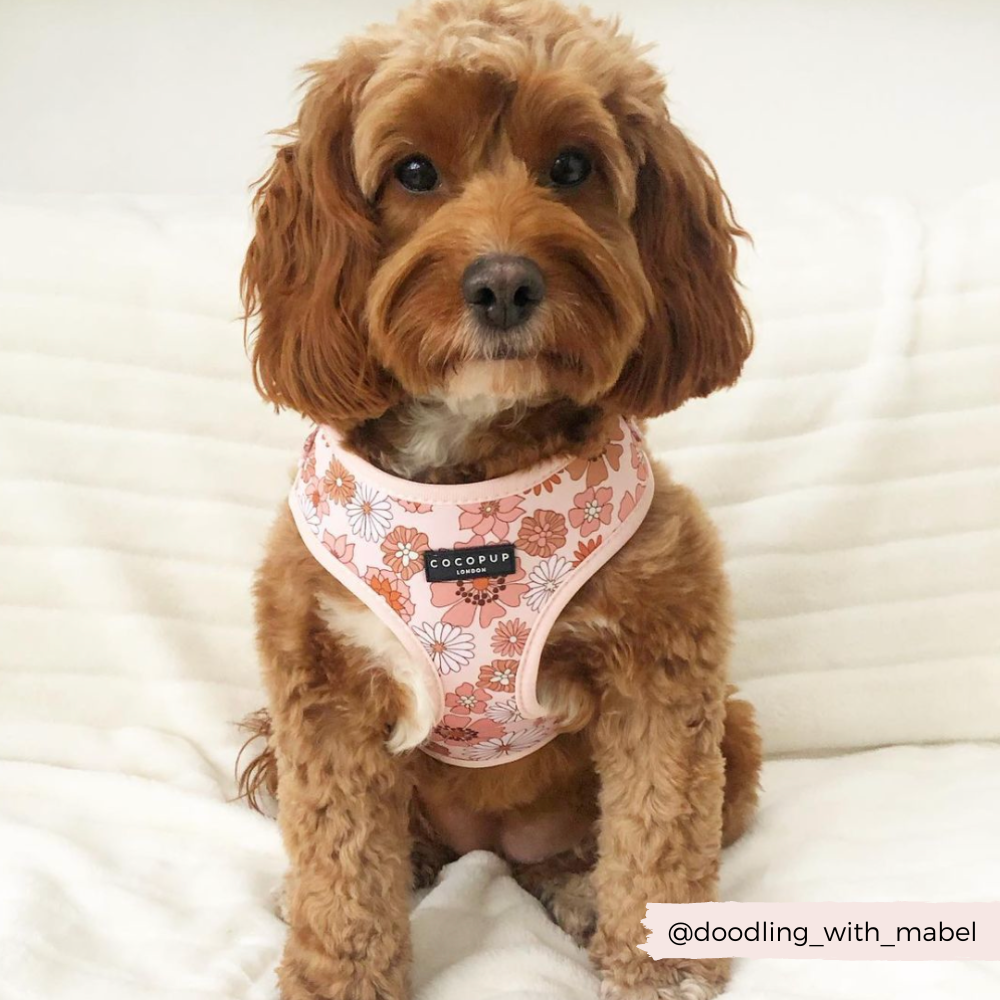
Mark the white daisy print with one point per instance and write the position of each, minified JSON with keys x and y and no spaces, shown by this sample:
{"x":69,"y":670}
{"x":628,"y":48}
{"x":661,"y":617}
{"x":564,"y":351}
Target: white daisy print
{"x":544,"y":580}
{"x":309,"y":513}
{"x":509,"y":743}
{"x":447,"y":645}
{"x":504,"y":711}
{"x":369,"y":514}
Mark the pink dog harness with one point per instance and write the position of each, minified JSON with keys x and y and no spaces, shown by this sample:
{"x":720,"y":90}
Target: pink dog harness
{"x":471,"y":578}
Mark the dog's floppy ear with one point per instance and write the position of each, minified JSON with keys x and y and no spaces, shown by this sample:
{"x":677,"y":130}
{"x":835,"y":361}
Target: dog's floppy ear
{"x":698,"y":334}
{"x":309,"y":263}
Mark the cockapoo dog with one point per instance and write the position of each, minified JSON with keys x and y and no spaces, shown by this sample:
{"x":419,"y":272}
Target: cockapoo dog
{"x":486,"y":620}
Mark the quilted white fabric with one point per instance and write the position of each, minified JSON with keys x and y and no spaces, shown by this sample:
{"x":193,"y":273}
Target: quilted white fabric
{"x":854,"y":473}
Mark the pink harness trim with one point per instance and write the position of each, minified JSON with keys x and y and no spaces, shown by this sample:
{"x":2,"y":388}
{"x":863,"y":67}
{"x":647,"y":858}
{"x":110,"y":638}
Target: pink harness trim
{"x":478,"y":639}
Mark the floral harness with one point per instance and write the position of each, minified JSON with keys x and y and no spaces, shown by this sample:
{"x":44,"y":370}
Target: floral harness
{"x":471,"y":578}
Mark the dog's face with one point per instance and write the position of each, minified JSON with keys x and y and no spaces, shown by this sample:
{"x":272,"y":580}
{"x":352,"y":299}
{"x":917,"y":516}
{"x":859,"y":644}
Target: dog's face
{"x":491,"y":200}
{"x":509,"y":263}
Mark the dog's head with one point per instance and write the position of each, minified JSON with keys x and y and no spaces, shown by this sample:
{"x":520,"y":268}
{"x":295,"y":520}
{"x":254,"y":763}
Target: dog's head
{"x":490,"y":198}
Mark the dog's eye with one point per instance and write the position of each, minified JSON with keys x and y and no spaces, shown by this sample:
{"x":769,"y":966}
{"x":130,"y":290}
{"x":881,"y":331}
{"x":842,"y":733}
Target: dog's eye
{"x":570,"y":167}
{"x":417,"y":173}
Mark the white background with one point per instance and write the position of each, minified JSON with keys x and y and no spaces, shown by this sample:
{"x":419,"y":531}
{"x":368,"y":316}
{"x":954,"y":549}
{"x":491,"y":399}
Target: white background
{"x":836,"y":99}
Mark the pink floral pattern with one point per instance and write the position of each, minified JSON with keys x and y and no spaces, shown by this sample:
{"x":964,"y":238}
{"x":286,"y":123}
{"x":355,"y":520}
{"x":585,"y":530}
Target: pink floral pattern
{"x":414,"y":506}
{"x":490,"y":596}
{"x":481,"y":637}
{"x":630,"y":501}
{"x":597,"y":470}
{"x":315,"y":495}
{"x":491,"y":517}
{"x":341,"y":548}
{"x":466,"y":699}
{"x":591,"y":509}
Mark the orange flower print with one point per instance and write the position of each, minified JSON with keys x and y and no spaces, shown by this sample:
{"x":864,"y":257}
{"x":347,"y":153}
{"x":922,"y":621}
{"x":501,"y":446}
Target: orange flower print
{"x":338,"y":484}
{"x":466,"y":700}
{"x":403,"y":547}
{"x":585,"y":548}
{"x":548,"y":485}
{"x":591,"y":509}
{"x":542,"y":534}
{"x":392,"y":590}
{"x":509,"y":638}
{"x":499,"y":676}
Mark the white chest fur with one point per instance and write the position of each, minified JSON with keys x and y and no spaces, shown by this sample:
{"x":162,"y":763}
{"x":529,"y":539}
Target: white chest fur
{"x":357,"y":626}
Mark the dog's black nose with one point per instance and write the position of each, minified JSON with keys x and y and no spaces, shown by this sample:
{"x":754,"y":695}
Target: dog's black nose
{"x":503,"y":290}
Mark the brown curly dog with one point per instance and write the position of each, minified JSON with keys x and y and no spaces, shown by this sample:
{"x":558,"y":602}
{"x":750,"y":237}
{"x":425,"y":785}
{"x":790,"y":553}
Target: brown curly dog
{"x":526,"y":133}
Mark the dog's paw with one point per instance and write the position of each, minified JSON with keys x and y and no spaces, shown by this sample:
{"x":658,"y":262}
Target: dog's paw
{"x":685,"y":987}
{"x":678,"y":979}
{"x":572,"y":905}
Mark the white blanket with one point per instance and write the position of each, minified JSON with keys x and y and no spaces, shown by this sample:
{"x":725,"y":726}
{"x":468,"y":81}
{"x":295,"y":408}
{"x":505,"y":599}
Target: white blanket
{"x":117,"y":885}
{"x":855,"y":474}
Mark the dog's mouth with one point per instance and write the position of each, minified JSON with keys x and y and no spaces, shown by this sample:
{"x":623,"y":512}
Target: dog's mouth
{"x":513,"y":377}
{"x":517,"y":344}
{"x":509,"y":352}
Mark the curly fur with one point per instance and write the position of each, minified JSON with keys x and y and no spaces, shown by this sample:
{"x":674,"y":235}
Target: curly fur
{"x":351,"y":288}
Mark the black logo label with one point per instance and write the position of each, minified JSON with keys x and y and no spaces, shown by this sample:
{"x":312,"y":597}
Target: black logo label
{"x":461,"y":564}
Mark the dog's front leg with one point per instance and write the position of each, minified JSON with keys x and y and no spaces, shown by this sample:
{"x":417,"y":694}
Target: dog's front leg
{"x":343,"y":811}
{"x":657,"y":749}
